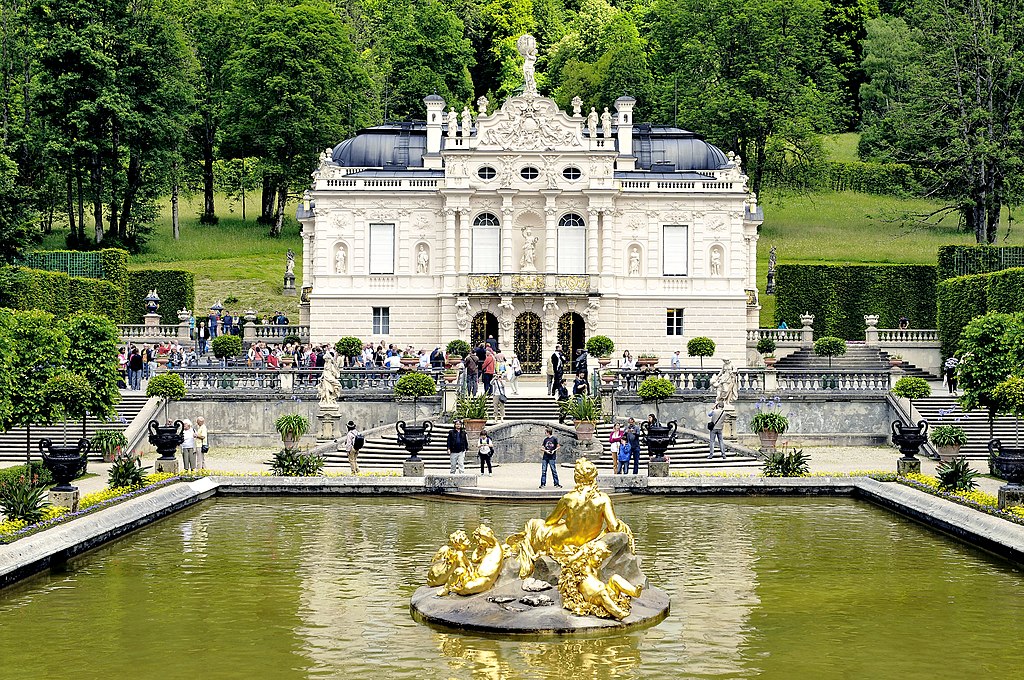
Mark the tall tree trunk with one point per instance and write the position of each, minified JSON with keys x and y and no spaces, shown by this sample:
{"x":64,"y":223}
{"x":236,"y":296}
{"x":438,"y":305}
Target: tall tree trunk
{"x":269,"y":194}
{"x":174,"y":203}
{"x":81,"y":202}
{"x":242,"y":187}
{"x":116,"y":226}
{"x":96,"y":179}
{"x":131,"y":189}
{"x":209,"y":207}
{"x":282,"y":198}
{"x":71,"y":204}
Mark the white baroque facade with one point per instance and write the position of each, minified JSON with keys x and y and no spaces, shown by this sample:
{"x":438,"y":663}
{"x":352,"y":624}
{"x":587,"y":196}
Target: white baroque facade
{"x":534,"y":225}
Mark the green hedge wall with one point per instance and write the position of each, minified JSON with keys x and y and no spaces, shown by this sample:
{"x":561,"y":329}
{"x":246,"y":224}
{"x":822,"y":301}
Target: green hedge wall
{"x":840,"y":295}
{"x":967,"y":260}
{"x":175,"y":287}
{"x":58,"y":293}
{"x":963,"y":298}
{"x":894,"y":179}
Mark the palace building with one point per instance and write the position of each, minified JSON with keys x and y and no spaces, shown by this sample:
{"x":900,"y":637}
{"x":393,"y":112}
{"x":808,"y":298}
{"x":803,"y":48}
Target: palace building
{"x":534,"y":225}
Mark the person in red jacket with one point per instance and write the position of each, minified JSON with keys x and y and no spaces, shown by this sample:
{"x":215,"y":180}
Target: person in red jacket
{"x":490,"y":364}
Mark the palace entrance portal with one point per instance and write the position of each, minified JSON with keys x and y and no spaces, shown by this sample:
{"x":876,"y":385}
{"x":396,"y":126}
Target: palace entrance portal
{"x":485,"y":324}
{"x":529,"y":338}
{"x":571,"y":335}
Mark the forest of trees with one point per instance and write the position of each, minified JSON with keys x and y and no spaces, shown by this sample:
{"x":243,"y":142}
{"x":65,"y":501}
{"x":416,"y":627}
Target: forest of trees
{"x":110,"y":106}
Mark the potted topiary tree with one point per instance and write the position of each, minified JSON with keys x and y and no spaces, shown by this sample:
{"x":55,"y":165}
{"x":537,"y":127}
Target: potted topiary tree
{"x":1006,"y":462}
{"x":473,"y":413}
{"x":907,"y":436}
{"x":413,"y":386}
{"x":456,"y":351}
{"x":166,"y":438}
{"x":830,"y":347}
{"x":65,"y":394}
{"x":947,"y":440}
{"x":349,"y":347}
{"x":226,"y":347}
{"x":601,"y":346}
{"x":111,"y":443}
{"x":700,"y":347}
{"x":766,"y":348}
{"x":291,"y":427}
{"x":768,"y":423}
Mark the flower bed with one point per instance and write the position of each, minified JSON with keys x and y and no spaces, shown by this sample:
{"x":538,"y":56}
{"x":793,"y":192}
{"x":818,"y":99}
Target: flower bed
{"x":976,"y":500}
{"x":877,"y":475}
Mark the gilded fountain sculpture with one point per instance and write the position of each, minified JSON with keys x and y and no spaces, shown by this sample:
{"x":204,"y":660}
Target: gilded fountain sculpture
{"x":582,"y":554}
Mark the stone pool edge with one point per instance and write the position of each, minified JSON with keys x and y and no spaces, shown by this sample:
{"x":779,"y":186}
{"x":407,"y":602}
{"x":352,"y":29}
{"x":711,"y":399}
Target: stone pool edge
{"x":53,"y":547}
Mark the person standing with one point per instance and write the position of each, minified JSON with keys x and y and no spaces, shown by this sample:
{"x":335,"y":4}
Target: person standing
{"x":437,"y":359}
{"x":135,"y":370}
{"x":675,"y":362}
{"x":581,"y":362}
{"x":492,"y":342}
{"x":488,"y":369}
{"x":632,"y":437}
{"x":717,"y":415}
{"x":580,"y":385}
{"x":515,"y":370}
{"x":557,"y":369}
{"x":472,"y":371}
{"x":201,"y":436}
{"x":550,"y":447}
{"x":188,"y":446}
{"x":202,"y":335}
{"x":484,"y":451}
{"x":350,"y":447}
{"x":950,"y":369}
{"x":614,"y":443}
{"x":457,"y":446}
{"x":498,"y":397}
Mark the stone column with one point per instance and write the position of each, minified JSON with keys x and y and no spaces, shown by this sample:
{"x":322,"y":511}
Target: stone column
{"x":807,"y":332}
{"x":607,"y":257}
{"x":592,"y":244}
{"x":550,"y":237}
{"x":507,"y":264}
{"x":464,"y":236}
{"x":451,"y":241}
{"x":871,"y":332}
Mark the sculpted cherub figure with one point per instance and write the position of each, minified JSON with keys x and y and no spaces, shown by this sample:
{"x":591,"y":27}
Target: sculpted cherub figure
{"x":448,"y":559}
{"x":583,"y":592}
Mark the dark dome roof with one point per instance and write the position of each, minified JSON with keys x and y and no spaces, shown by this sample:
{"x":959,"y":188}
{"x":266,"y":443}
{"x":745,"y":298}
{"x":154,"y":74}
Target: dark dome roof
{"x":661,"y":145}
{"x":396,"y":145}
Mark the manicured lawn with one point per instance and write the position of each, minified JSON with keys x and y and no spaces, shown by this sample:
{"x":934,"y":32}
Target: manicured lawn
{"x":842,"y":147}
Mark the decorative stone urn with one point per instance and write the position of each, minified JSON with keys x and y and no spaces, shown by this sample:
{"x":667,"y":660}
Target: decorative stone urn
{"x":909,"y":439}
{"x":414,"y":437}
{"x":585,"y":430}
{"x":658,"y":438}
{"x":1006,"y":462}
{"x":769,"y":438}
{"x":65,"y":463}
{"x":166,"y":439}
{"x":948,"y":453}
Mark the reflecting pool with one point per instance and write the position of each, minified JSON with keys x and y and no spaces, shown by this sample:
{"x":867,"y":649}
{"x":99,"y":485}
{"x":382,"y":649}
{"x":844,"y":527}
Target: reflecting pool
{"x":276,"y":589}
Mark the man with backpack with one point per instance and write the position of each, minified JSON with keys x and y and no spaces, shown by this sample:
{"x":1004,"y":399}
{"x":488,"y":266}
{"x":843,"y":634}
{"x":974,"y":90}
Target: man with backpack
{"x":354,"y":441}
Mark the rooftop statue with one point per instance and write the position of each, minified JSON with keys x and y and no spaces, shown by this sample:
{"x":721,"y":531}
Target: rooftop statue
{"x":527,"y":46}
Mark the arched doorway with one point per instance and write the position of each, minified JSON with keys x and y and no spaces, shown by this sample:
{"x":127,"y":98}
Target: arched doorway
{"x":529,"y":336}
{"x":485,"y":324}
{"x":571,"y":334}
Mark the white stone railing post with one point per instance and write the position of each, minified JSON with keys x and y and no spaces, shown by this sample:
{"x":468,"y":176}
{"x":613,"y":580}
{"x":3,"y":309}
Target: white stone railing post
{"x":871,"y":332}
{"x":771,"y":380}
{"x":807,"y":332}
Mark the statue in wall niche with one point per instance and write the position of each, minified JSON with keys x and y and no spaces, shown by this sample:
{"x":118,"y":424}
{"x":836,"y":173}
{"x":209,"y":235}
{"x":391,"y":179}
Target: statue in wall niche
{"x":527,"y":46}
{"x":590,"y":314}
{"x":467,"y":122}
{"x":716,"y":262}
{"x":592,"y":123}
{"x":453,"y":122}
{"x":727,"y":385}
{"x":527,"y":262}
{"x":634,"y":261}
{"x":422,"y":260}
{"x":341,"y":261}
{"x":462,"y":313}
{"x":289,"y":267}
{"x":606,"y":123}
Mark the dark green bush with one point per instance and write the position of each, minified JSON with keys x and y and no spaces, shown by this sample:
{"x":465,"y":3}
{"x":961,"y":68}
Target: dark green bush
{"x":225,"y":346}
{"x":20,"y":500}
{"x":166,"y":385}
{"x":175,"y":287}
{"x":893,"y":179}
{"x":830,"y":347}
{"x":600,"y":346}
{"x":959,"y":300}
{"x":58,"y":293}
{"x":127,"y":471}
{"x":458,"y":347}
{"x":786,"y":464}
{"x":415,"y":385}
{"x":765,"y":346}
{"x":839,"y":296}
{"x":349,"y":346}
{"x":956,"y":475}
{"x":292,"y":463}
{"x":43,"y":477}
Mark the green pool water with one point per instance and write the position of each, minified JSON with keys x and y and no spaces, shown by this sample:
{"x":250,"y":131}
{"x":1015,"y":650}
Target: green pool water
{"x":282,"y":589}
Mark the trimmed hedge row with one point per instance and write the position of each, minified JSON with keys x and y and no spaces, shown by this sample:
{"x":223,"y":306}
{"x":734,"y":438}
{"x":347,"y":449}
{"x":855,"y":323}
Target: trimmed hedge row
{"x":839,"y":296}
{"x":967,"y":260}
{"x":175,"y":287}
{"x":58,"y":293}
{"x":893,"y":179}
{"x":963,"y":298}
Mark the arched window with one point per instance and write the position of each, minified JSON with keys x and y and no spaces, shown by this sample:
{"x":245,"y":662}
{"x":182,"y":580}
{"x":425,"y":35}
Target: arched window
{"x":486,"y":244}
{"x":572,"y":244}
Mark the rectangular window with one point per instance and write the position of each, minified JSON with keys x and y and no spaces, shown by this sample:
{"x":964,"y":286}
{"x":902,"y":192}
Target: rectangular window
{"x":674,"y":250}
{"x":572,"y":250}
{"x":674,"y":321}
{"x":382,"y":249}
{"x":381,"y":320}
{"x":486,"y":250}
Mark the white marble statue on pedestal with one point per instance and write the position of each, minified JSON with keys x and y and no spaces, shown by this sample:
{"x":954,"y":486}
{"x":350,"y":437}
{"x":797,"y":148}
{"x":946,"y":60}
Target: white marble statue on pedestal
{"x":467,"y":122}
{"x":422,"y":260}
{"x":727,"y":386}
{"x":606,"y":123}
{"x":453,"y":122}
{"x":527,"y":46}
{"x":592,"y":123}
{"x":527,"y":262}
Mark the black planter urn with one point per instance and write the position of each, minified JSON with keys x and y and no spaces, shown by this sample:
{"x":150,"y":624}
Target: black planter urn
{"x":909,"y":437}
{"x":65,"y":463}
{"x":658,"y":438}
{"x":166,"y":439}
{"x":414,"y":437}
{"x":1006,"y":462}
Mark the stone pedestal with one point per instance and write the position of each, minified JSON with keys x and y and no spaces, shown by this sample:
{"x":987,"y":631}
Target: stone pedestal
{"x":1009,"y":495}
{"x":906,"y":466}
{"x":151,"y":320}
{"x":729,"y":425}
{"x":166,"y":465}
{"x":412,"y":468}
{"x":657,"y":468}
{"x":328,"y":419}
{"x":69,"y":499}
{"x":289,"y":284}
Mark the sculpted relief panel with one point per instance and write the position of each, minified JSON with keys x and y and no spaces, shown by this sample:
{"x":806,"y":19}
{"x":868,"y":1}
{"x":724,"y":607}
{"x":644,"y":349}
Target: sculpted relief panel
{"x":529,"y":124}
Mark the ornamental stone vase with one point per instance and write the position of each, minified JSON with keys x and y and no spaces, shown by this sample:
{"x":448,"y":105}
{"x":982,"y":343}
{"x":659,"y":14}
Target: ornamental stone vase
{"x":65,"y":463}
{"x":585,"y":430}
{"x":414,"y":437}
{"x":1006,"y":462}
{"x":948,"y":453}
{"x":909,"y":439}
{"x":769,"y":438}
{"x":166,"y":439}
{"x":658,"y":438}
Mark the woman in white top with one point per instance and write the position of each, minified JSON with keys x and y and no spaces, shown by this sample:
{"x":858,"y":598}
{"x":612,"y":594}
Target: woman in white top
{"x":200,"y":442}
{"x":627,"y":361}
{"x":515,"y":370}
{"x":188,"y":446}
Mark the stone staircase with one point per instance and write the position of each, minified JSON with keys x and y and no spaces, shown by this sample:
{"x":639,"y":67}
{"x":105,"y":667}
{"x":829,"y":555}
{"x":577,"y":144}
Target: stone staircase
{"x":690,"y":453}
{"x":944,"y":410}
{"x":858,"y":357}
{"x":12,"y":442}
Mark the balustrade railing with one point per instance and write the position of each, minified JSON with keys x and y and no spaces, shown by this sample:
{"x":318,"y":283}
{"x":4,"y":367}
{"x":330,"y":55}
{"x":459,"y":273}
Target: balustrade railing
{"x":276,"y":334}
{"x":779,"y":335}
{"x":157,"y":332}
{"x":686,"y":381}
{"x":908,"y":335}
{"x":288,"y":380}
{"x":833,"y":381}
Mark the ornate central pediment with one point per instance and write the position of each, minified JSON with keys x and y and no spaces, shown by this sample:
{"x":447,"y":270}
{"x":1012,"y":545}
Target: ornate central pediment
{"x":530,"y":124}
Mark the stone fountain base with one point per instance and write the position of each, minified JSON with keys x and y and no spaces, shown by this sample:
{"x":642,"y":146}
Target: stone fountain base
{"x":534,"y":606}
